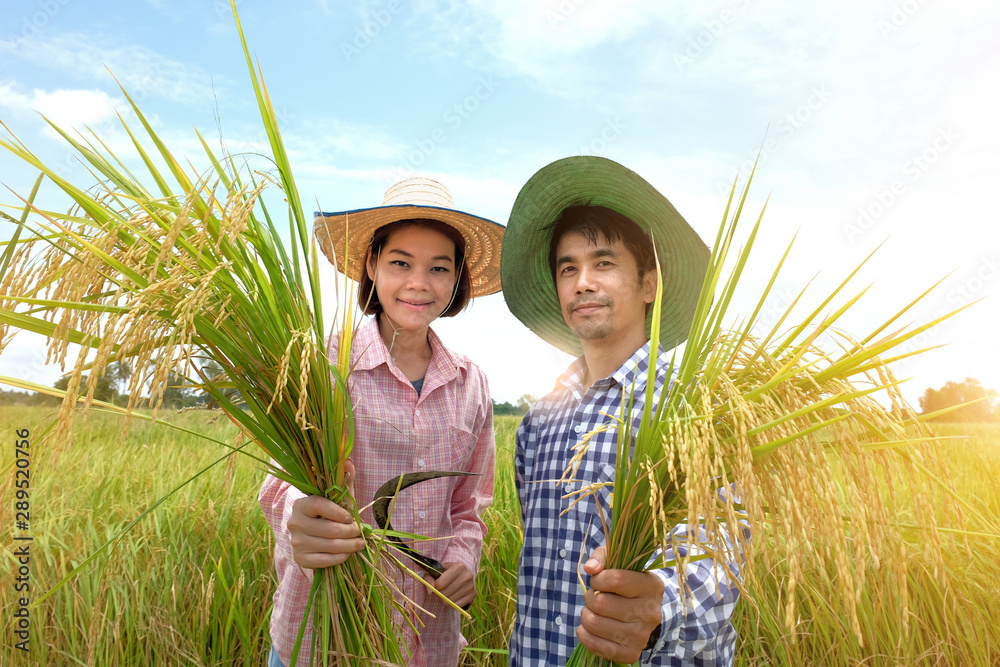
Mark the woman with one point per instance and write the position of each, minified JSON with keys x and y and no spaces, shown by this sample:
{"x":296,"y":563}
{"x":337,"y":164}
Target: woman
{"x":417,"y":407}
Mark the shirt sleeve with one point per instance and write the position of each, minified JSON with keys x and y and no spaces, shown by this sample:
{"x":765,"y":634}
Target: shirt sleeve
{"x":293,"y":582}
{"x":700,"y":629}
{"x":522,"y":440}
{"x":276,"y":498}
{"x":473,"y":494}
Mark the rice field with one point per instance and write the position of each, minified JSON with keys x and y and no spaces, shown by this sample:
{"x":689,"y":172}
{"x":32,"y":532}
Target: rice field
{"x":191,"y":584}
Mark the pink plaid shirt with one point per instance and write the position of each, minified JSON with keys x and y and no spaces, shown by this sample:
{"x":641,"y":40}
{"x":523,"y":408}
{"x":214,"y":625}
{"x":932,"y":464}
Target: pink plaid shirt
{"x":449,"y":426}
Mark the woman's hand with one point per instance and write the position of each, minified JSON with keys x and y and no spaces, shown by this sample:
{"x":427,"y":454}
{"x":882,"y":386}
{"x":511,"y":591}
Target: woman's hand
{"x":322,"y":532}
{"x":457,"y":584}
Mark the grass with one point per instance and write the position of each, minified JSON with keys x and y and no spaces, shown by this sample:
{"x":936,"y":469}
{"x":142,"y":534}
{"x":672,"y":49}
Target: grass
{"x":192,"y":584}
{"x":976,"y":475}
{"x":953,"y":626}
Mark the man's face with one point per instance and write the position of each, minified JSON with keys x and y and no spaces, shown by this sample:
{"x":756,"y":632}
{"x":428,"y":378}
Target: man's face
{"x":600,"y":293}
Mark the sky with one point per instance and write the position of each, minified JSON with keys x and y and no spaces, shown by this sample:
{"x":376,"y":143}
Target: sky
{"x":874,"y":123}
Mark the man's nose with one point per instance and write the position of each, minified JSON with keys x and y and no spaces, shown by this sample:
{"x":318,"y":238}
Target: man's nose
{"x":585,"y":280}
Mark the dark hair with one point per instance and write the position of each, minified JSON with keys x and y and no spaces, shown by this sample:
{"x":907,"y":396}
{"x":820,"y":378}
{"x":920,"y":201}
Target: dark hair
{"x":368,"y":295}
{"x":593,"y":221}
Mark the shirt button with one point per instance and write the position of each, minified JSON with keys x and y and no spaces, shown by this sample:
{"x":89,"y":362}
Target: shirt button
{"x":420,"y":462}
{"x":578,"y":428}
{"x":558,"y":620}
{"x":417,"y":412}
{"x":422,"y":515}
{"x":562,"y":553}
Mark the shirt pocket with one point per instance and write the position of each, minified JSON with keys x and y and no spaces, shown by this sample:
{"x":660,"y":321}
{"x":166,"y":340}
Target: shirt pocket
{"x":463,"y":443}
{"x":602,"y":499}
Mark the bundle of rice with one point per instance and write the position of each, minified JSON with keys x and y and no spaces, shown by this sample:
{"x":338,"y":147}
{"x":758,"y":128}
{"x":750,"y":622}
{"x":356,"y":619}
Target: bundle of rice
{"x":772,"y":436}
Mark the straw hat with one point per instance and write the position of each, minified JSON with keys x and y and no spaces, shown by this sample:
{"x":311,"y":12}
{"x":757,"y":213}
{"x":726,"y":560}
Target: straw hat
{"x":529,"y":289}
{"x":413,"y":198}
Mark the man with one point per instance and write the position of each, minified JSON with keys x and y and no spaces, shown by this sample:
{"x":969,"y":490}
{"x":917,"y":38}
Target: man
{"x":578,"y":269}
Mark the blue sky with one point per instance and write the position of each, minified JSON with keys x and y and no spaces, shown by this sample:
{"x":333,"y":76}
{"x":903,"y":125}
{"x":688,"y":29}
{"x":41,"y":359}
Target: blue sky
{"x":875,"y":121}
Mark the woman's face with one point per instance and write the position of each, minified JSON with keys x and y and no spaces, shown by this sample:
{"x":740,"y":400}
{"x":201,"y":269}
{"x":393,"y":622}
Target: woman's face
{"x":414,"y":276}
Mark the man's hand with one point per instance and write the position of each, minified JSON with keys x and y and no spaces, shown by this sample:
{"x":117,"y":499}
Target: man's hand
{"x":322,"y":532}
{"x":621,"y":610}
{"x":457,"y":584}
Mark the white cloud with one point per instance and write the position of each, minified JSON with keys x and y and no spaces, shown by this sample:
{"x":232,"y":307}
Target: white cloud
{"x":65,"y":108}
{"x":73,"y":108}
{"x":141,"y":70}
{"x":552,"y":43}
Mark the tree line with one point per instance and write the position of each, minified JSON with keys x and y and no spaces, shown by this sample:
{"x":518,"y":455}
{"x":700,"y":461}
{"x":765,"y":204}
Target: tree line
{"x":518,"y":409}
{"x":982,"y":403}
{"x":112,"y":387}
{"x":113,"y":384}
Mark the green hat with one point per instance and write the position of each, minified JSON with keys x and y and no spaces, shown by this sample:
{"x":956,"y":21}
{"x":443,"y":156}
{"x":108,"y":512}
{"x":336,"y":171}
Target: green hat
{"x":528,"y":286}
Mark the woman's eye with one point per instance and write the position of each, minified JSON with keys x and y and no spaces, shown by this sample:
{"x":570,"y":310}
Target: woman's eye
{"x":398,"y":262}
{"x":440,"y":269}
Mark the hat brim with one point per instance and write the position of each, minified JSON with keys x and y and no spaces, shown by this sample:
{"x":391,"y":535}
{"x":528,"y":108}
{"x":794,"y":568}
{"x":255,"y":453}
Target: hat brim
{"x":529,"y":288}
{"x":353,"y":230}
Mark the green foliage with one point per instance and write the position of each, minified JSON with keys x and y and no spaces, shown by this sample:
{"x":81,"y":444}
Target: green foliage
{"x":505,"y":409}
{"x":25,"y":398}
{"x":525,"y":402}
{"x":216,"y":374}
{"x":119,"y":373}
{"x":980,"y":406}
{"x":103,"y":390}
{"x":520,"y":408}
{"x":177,"y":394}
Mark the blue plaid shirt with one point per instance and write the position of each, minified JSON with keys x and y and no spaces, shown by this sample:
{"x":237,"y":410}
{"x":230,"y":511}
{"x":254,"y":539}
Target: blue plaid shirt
{"x":549,"y":595}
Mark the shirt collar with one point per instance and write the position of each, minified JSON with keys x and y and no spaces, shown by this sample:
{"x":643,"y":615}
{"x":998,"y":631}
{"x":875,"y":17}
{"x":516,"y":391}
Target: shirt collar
{"x":633,"y":370}
{"x":368,"y":351}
